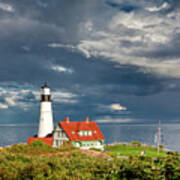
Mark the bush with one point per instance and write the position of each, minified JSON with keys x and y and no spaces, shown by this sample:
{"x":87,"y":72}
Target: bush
{"x":161,"y":146}
{"x":67,"y":146}
{"x":77,"y":165}
{"x":74,"y":165}
{"x":18,"y":148}
{"x":95,"y":149}
{"x":136,"y":143}
{"x":39,"y":143}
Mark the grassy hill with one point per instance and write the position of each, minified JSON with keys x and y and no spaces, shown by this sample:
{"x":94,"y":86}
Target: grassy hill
{"x":41,"y":162}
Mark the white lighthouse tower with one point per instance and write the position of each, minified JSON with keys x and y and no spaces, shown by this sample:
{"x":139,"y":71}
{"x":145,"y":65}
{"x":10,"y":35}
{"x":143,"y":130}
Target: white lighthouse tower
{"x":46,"y":118}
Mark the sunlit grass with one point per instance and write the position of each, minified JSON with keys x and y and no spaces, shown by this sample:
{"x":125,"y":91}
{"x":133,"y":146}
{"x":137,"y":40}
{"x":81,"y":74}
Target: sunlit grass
{"x":132,"y":150}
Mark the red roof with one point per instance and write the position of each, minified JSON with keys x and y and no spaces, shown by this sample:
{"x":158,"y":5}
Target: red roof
{"x":70,"y":127}
{"x":47,"y":140}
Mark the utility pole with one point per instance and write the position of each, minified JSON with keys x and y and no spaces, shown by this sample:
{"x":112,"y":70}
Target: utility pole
{"x":159,"y":138}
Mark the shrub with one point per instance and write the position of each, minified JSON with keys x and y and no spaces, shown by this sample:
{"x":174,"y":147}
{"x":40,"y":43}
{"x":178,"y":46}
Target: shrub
{"x":79,"y":166}
{"x":95,"y":149}
{"x":136,"y":143}
{"x":39,"y":144}
{"x":161,"y":146}
{"x":18,"y":148}
{"x":74,"y":165}
{"x":67,"y":146}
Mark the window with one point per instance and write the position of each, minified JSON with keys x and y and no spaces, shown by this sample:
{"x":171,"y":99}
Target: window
{"x":95,"y":131}
{"x":99,"y":143}
{"x":73,"y":132}
{"x":89,"y":133}
{"x":80,"y":133}
{"x":57,"y":142}
{"x":63,"y":134}
{"x":58,"y":133}
{"x":85,"y":133}
{"x":77,"y":144}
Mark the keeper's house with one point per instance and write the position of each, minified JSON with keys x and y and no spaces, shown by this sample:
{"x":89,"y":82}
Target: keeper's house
{"x":85,"y":134}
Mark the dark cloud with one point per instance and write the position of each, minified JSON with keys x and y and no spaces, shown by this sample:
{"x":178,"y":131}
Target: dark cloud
{"x":126,"y":8}
{"x":166,"y":51}
{"x":97,"y":81}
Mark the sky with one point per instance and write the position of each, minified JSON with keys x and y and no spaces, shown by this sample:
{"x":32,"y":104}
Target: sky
{"x":112,"y":60}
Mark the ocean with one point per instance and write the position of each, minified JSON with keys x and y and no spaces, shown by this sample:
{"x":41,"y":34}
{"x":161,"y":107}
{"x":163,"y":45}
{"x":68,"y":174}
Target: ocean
{"x":144,"y":133}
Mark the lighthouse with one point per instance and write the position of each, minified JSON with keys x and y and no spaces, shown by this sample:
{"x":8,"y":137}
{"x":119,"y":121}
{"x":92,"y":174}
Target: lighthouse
{"x":46,"y":117}
{"x":84,"y":135}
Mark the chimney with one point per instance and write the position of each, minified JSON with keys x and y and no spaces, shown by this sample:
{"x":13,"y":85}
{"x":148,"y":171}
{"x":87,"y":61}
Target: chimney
{"x":67,"y":119}
{"x":87,"y":120}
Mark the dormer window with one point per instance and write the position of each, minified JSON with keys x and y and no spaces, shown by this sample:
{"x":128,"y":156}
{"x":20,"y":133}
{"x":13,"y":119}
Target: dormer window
{"x":84,"y":133}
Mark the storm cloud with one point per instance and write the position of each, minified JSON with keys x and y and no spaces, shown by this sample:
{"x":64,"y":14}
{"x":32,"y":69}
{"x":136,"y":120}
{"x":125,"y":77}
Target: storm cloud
{"x":107,"y":59}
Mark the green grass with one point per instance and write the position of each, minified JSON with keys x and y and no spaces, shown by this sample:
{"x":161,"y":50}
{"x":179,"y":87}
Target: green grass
{"x":132,"y":150}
